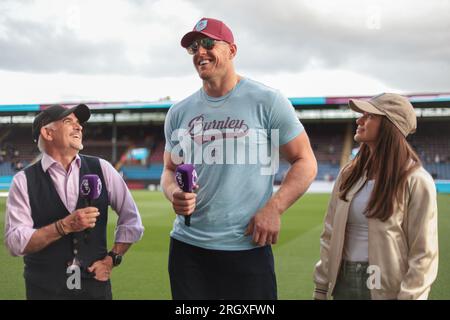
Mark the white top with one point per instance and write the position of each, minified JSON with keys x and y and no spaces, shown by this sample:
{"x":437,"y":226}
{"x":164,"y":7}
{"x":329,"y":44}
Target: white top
{"x":357,"y":232}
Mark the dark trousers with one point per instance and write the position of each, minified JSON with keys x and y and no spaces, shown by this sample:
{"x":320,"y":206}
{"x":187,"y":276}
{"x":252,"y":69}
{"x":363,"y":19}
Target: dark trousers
{"x":202,"y":274}
{"x":91,"y":289}
{"x":351,"y":283}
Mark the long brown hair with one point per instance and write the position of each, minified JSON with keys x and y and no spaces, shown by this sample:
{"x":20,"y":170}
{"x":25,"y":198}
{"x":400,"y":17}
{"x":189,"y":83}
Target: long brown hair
{"x":390,"y":165}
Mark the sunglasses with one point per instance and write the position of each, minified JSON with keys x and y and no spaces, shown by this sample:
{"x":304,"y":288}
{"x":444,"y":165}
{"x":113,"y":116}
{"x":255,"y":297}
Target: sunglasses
{"x":206,"y":43}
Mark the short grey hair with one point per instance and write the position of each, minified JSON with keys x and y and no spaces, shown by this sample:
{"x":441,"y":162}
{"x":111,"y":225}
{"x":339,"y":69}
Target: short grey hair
{"x":41,"y":144}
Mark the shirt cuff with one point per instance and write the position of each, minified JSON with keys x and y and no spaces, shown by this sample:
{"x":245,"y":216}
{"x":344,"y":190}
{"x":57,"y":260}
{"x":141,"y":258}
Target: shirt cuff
{"x":128,"y":234}
{"x":17,"y":240}
{"x":320,"y":292}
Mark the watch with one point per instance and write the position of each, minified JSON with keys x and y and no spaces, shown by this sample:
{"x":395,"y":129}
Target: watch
{"x":116,"y":258}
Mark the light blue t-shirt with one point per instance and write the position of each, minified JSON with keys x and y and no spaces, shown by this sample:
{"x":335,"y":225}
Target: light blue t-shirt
{"x":233,"y":142}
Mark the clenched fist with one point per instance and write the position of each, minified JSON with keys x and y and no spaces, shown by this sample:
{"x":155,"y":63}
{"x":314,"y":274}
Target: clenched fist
{"x":183,"y":202}
{"x":81,"y":219}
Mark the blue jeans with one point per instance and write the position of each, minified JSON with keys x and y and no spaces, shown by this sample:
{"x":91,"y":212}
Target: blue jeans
{"x":351,"y":283}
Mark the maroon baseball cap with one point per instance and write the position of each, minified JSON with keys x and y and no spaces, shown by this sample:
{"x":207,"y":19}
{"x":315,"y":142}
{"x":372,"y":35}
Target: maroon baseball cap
{"x":215,"y":29}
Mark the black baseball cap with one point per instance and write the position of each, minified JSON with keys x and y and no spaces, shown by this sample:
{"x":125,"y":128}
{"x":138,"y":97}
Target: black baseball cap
{"x":57,"y":112}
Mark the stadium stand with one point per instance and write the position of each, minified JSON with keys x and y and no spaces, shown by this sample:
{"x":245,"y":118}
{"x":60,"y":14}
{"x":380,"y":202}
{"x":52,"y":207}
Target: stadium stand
{"x":331,"y":139}
{"x":432,"y":142}
{"x":327,"y":141}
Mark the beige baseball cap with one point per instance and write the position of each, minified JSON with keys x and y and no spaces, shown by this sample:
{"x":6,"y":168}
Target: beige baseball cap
{"x":395,"y":107}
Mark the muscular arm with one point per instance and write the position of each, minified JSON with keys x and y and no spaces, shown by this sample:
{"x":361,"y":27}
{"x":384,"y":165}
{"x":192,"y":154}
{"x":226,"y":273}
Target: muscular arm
{"x":300,"y":175}
{"x":265,"y":225}
{"x":168,"y":183}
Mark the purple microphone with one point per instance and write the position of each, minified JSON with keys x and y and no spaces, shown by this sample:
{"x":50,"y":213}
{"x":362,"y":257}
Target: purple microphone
{"x":186,"y":177}
{"x":90,"y":188}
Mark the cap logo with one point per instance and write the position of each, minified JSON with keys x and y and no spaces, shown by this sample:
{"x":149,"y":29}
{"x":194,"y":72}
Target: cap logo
{"x":201,"y":25}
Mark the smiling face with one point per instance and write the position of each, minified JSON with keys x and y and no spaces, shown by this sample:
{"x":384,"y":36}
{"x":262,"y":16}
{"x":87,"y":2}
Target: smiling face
{"x":66,"y":134}
{"x":215,"y":62}
{"x":368,"y":129}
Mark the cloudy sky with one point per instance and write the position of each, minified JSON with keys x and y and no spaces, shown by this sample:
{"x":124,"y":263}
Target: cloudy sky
{"x":128,"y":50}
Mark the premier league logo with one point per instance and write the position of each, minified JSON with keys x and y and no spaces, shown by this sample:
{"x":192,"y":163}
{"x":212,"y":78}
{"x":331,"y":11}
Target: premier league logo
{"x":201,"y":25}
{"x":179,"y":178}
{"x":85,"y":188}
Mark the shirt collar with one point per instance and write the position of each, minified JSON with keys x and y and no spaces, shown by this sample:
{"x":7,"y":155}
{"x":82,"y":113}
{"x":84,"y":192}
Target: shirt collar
{"x":47,"y":161}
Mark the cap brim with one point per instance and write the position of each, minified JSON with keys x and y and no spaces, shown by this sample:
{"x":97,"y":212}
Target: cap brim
{"x":82,"y":112}
{"x":362,"y":106}
{"x":190,"y":36}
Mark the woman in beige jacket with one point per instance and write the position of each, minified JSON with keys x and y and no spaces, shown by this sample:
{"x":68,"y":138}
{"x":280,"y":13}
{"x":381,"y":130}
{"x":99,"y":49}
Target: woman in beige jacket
{"x":380,"y":233}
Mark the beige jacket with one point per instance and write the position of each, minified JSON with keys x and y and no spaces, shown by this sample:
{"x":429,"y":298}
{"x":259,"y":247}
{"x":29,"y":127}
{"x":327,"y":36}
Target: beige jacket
{"x":404,"y":247}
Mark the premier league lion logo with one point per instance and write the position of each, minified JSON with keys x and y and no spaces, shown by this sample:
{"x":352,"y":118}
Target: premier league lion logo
{"x":179,"y":179}
{"x":85,"y":188}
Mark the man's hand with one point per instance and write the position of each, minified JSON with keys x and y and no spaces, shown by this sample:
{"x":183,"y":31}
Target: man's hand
{"x":81,"y":219}
{"x":102,"y":268}
{"x":184,"y":202}
{"x":265,"y":227}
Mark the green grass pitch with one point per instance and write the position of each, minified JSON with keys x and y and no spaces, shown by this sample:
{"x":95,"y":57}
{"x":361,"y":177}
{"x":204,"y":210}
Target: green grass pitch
{"x":143,"y":274}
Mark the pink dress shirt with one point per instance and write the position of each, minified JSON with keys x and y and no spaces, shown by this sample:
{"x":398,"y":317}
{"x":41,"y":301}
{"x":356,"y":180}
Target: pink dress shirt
{"x":18,"y":221}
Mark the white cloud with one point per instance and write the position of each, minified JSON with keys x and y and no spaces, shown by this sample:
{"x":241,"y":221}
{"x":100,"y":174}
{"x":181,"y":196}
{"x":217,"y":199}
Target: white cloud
{"x":324,"y":83}
{"x":61,"y":87}
{"x":129,"y":49}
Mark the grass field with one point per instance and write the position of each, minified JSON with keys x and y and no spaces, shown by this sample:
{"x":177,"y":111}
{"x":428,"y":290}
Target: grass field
{"x":143,"y":274}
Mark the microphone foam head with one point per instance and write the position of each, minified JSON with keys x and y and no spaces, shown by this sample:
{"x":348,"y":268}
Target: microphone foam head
{"x":91,"y":186}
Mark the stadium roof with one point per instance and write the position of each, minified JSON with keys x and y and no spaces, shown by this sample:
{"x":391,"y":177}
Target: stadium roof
{"x":418,"y":100}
